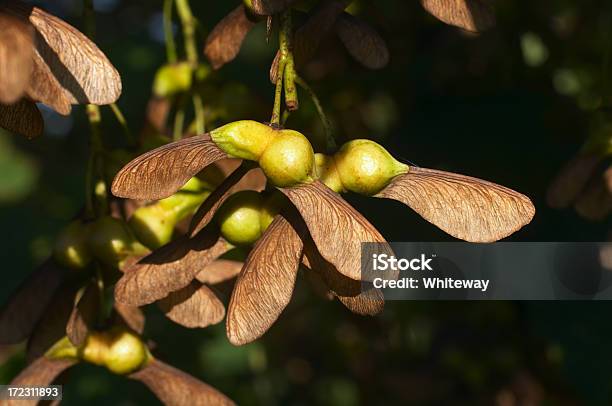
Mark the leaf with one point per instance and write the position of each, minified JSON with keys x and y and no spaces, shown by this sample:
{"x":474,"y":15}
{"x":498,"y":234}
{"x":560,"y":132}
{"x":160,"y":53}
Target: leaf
{"x":471,"y":15}
{"x":220,"y":270}
{"x":224,"y":41}
{"x":83,"y":316}
{"x":265,"y":285}
{"x":15,"y":57}
{"x":76,"y":64}
{"x":467,"y":208}
{"x":362,"y":42}
{"x":161,"y":172}
{"x":168,"y":269}
{"x":176,"y":388}
{"x":52,"y":325}
{"x":193,"y":306}
{"x":269,"y":7}
{"x":571,"y":180}
{"x":131,"y":316}
{"x":336,"y":228}
{"x":309,"y":36}
{"x":41,"y":372}
{"x":19,"y":315}
{"x":22,"y":118}
{"x":242,"y":178}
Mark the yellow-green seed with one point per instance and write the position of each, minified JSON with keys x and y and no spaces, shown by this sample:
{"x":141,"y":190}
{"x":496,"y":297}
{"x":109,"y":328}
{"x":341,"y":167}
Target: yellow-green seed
{"x":112,"y":241}
{"x":365,"y":167}
{"x":288,"y":160}
{"x":239,"y":218}
{"x":70,"y":248}
{"x":246,"y":139}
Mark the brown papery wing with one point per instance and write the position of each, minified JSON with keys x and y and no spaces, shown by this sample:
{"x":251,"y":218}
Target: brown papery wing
{"x":161,"y":172}
{"x":19,"y":315}
{"x":336,"y":228}
{"x":41,"y":372}
{"x":83,"y":316}
{"x":193,"y":306}
{"x":16,"y":39}
{"x":309,"y":36}
{"x":131,"y":316}
{"x":176,"y":388}
{"x":52,"y":325}
{"x":22,"y":118}
{"x":168,"y":269}
{"x":80,"y":68}
{"x":467,"y":208}
{"x":364,"y":44}
{"x":471,"y":15}
{"x":265,"y":285}
{"x":224,"y":41}
{"x":572,"y":179}
{"x":219,"y":271}
{"x":359,"y":297}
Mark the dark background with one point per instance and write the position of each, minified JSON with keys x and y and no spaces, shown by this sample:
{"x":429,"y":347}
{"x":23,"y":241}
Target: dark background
{"x":481,"y":105}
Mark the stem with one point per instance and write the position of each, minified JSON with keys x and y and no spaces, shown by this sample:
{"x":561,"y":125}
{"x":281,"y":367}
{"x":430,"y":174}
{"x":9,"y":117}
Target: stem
{"x":198,"y":108}
{"x":276,"y":111}
{"x":188,"y":22}
{"x":285,"y":117}
{"x":179,"y":120}
{"x":329,"y":135}
{"x":123,"y":122}
{"x":285,"y":71}
{"x":93,"y":115}
{"x":286,"y":51}
{"x":168,"y":32}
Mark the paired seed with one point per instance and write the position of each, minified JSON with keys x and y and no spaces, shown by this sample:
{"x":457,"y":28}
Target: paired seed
{"x":285,"y":156}
{"x":117,"y":349}
{"x":360,"y":166}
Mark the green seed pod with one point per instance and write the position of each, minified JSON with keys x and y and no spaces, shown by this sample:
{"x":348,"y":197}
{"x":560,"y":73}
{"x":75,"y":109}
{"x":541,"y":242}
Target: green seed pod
{"x":328,"y":174}
{"x":126,"y":352}
{"x":70,"y":248}
{"x":112,"y":241}
{"x":288,"y":160}
{"x":172,"y":79}
{"x":119,"y":350}
{"x":94,"y":348}
{"x":154,"y":224}
{"x":246,"y":139}
{"x":365,"y":167}
{"x":239,"y":218}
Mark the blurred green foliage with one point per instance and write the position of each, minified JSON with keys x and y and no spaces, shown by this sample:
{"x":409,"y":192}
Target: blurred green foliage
{"x":510,"y":105}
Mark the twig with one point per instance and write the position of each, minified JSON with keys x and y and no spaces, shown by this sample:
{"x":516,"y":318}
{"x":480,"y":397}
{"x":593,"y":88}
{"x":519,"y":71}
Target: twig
{"x":198,"y":108}
{"x":188,"y":23}
{"x":327,"y":127}
{"x":123,"y":122}
{"x":168,"y":32}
